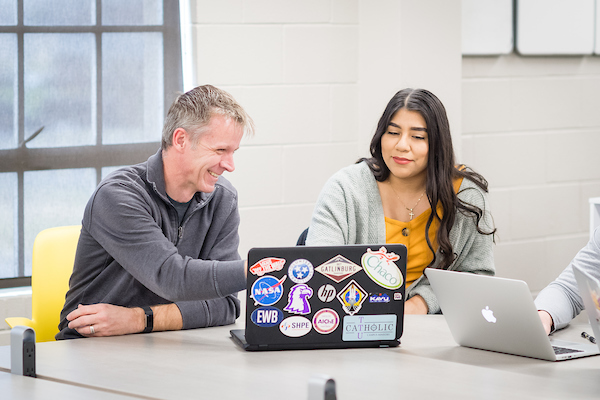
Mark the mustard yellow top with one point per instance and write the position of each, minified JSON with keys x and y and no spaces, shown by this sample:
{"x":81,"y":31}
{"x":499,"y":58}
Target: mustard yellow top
{"x":412,"y":235}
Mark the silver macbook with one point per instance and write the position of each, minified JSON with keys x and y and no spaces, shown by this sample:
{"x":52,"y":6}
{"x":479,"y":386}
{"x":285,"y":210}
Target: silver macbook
{"x":498,"y":314}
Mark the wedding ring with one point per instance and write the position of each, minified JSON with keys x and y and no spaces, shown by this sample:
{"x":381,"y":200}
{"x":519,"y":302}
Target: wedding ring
{"x":92,"y":331}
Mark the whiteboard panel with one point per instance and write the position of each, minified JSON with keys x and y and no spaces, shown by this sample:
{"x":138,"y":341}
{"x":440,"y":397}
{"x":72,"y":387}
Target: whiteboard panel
{"x":555,"y":27}
{"x":487,"y":27}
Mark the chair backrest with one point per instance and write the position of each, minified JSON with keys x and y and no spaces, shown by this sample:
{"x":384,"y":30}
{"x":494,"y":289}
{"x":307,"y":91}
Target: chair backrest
{"x":52,"y":265}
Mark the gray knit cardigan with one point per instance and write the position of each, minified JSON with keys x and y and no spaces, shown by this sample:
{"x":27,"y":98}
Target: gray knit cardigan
{"x":349,"y":211}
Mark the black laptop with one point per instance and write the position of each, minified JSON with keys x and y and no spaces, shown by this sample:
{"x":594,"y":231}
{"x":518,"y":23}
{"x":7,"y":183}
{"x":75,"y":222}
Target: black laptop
{"x":324,"y":297}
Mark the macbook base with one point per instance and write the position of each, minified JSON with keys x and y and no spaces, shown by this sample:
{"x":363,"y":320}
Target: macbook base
{"x":498,"y":314}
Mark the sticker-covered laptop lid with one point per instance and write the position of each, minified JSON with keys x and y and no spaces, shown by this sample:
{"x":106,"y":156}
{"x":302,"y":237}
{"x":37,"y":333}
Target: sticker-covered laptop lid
{"x":325,"y":297}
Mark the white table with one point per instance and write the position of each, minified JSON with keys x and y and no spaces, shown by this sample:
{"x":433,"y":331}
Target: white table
{"x":205,"y":363}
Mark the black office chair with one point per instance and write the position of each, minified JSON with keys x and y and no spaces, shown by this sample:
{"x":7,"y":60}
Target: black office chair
{"x":302,"y":239}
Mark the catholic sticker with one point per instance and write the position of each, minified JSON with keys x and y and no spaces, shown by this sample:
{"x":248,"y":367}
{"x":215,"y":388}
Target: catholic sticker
{"x":380,"y":267}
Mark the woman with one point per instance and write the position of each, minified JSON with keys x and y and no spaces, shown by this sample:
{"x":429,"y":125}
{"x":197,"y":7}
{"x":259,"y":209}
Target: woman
{"x":387,"y":199}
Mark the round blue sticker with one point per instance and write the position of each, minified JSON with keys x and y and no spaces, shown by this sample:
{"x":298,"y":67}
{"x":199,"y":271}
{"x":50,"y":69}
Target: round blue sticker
{"x":267,"y":290}
{"x":301,"y":270}
{"x":267,"y":316}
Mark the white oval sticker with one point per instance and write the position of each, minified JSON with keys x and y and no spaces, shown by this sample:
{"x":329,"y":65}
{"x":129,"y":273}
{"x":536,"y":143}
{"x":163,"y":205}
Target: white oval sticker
{"x":295,"y":326}
{"x":380,"y":267}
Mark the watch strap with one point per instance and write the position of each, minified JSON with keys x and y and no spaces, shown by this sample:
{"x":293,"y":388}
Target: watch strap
{"x":149,"y":319}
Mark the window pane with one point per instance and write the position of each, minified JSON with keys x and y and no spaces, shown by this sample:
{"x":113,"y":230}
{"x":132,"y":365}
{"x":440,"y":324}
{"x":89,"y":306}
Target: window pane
{"x":60,"y":89}
{"x":132,"y":87}
{"x":9,"y":266}
{"x":105,"y":171}
{"x":8,"y":16}
{"x":54,"y":198}
{"x":8,"y":91}
{"x":59,"y":12}
{"x":132,"y":12}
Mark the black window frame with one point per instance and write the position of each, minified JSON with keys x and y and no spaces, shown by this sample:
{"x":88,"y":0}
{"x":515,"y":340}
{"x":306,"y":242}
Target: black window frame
{"x":21,"y":159}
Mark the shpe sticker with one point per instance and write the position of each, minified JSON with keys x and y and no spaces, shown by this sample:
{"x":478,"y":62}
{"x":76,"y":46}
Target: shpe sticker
{"x":381,"y":268}
{"x":326,"y":321}
{"x":295,"y":326}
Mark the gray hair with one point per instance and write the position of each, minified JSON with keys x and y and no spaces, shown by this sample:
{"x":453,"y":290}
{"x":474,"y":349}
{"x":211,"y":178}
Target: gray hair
{"x":192,"y":111}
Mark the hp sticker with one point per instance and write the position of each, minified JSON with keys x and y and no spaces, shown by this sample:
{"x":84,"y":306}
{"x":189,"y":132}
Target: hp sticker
{"x":326,"y":293}
{"x":300,"y":271}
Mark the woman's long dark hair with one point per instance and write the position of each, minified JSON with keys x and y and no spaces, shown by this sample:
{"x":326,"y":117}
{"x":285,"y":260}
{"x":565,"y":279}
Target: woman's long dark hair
{"x":441,"y":169}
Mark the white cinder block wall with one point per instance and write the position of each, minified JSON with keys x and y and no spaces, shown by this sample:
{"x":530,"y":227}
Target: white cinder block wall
{"x":531,"y":125}
{"x":315,"y":76}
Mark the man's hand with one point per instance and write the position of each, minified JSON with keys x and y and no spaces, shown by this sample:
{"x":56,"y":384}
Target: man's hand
{"x":106,"y":320}
{"x":109,"y":320}
{"x":546,"y":321}
{"x":415,"y":305}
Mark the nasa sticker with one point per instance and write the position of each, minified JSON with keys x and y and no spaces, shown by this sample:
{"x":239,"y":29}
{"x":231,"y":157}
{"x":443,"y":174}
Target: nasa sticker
{"x":267,"y":290}
{"x":298,"y":299}
{"x":326,"y":321}
{"x":266,"y":317}
{"x":295,"y":326}
{"x":326,"y":293}
{"x":300,"y":271}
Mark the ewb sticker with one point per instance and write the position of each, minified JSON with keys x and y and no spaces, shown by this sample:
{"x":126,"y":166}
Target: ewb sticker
{"x":369,"y":327}
{"x":380,"y":267}
{"x":267,"y":290}
{"x":298,"y":299}
{"x":266,"y":316}
{"x":352,"y":296}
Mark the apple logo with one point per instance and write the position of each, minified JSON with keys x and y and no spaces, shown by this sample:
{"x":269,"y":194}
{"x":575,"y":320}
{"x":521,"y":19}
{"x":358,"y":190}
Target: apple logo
{"x":488,"y":315}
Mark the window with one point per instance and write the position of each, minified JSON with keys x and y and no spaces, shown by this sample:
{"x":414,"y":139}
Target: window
{"x":84,"y":87}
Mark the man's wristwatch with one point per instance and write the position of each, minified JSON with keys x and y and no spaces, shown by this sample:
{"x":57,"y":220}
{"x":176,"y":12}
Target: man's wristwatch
{"x":149,"y":319}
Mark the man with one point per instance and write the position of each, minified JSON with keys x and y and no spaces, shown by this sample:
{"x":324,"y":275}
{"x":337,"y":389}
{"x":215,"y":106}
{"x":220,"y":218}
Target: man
{"x":560,"y":301}
{"x":158,"y":244}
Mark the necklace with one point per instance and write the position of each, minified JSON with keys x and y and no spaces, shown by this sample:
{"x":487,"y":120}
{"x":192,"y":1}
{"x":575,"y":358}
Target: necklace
{"x":410,"y":210}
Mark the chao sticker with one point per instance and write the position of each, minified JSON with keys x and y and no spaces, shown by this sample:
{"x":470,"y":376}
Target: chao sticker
{"x":338,"y":268}
{"x":352,"y":297}
{"x":267,"y":290}
{"x":326,"y":321}
{"x":267,"y":265}
{"x":298,"y":299}
{"x":380,"y":267}
{"x":295,"y":326}
{"x":300,"y":271}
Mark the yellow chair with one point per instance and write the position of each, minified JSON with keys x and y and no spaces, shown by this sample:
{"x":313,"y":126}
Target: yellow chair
{"x":52,"y":264}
